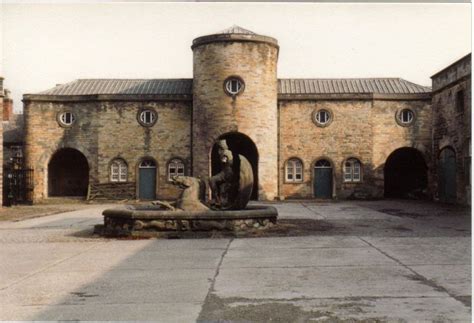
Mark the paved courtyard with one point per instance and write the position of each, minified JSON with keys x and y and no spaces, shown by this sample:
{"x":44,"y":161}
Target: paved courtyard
{"x":379,"y":260}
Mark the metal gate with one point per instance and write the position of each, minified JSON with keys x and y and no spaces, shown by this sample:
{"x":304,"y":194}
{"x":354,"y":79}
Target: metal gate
{"x":18,"y":186}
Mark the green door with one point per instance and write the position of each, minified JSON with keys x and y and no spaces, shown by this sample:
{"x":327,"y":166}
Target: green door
{"x":322,"y":180}
{"x":447,"y":176}
{"x":147,"y":180}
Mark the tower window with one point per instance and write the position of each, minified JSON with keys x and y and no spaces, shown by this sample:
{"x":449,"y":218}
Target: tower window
{"x":234,"y":85}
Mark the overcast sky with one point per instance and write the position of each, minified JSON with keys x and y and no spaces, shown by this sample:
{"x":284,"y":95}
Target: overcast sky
{"x":47,"y":44}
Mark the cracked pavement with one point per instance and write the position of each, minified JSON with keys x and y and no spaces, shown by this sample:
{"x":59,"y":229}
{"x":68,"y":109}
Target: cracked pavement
{"x":378,"y":260}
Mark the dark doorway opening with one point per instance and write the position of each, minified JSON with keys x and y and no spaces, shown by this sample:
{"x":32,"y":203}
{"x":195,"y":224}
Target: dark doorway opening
{"x":447,"y":189}
{"x":68,"y":173}
{"x":405,"y":174}
{"x":239,"y":144}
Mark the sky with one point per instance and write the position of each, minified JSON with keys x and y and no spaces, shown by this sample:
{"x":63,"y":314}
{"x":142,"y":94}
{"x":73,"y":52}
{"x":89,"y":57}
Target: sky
{"x":53,"y":43}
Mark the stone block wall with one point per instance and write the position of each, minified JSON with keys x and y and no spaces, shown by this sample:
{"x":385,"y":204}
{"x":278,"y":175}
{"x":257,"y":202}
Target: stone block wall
{"x":364,"y":129}
{"x":252,"y":112}
{"x":105,"y":130}
{"x":452,"y":129}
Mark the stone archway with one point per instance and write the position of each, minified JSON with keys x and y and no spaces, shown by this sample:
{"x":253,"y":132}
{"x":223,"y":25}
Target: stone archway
{"x":68,"y":173}
{"x":405,"y":174}
{"x":242,"y":145}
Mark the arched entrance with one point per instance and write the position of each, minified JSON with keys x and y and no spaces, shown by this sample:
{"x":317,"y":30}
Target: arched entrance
{"x":405,"y":173}
{"x":239,"y":144}
{"x":447,"y":175}
{"x":68,"y":173}
{"x":147,"y":179}
{"x":322,"y":181}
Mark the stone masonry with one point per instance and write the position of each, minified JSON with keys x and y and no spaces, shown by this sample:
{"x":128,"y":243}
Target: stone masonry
{"x":276,"y":115}
{"x":452,"y":123}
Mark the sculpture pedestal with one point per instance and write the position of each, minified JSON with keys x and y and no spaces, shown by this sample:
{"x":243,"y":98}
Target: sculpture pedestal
{"x":148,"y":221}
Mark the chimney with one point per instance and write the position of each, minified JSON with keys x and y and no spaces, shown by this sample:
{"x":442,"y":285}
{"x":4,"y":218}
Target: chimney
{"x":7,"y":106}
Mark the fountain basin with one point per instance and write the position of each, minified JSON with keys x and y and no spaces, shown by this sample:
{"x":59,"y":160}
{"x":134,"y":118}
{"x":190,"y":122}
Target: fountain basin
{"x":131,"y":220}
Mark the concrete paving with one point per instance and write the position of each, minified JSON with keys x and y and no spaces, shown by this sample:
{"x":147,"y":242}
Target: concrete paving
{"x":378,"y":260}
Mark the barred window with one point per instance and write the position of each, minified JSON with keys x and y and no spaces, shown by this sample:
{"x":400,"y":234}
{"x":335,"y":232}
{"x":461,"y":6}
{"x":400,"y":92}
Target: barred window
{"x":294,"y":170}
{"x":175,"y":168}
{"x":352,"y":170}
{"x":118,"y":170}
{"x":147,"y":117}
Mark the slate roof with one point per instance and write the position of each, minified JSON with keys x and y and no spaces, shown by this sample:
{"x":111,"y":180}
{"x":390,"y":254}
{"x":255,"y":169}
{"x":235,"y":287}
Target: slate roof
{"x":285,"y":87}
{"x":123,"y":87}
{"x":350,"y":86}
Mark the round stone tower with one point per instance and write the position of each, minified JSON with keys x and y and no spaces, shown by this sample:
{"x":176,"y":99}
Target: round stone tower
{"x":235,"y":98}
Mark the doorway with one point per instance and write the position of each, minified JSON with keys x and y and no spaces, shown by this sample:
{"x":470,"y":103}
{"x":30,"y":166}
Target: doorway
{"x":68,"y":173}
{"x":147,"y":180}
{"x":322,"y":181}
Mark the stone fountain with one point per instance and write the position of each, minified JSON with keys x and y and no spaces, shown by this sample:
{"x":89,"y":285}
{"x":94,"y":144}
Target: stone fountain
{"x":227,"y":209}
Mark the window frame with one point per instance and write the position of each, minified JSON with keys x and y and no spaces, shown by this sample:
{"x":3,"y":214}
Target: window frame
{"x":292,"y":163}
{"x":229,"y":80}
{"x":121,"y":167}
{"x":399,"y":117}
{"x":352,"y":161}
{"x":175,"y":161}
{"x":316,"y":120}
{"x":153,"y":114}
{"x":62,"y":122}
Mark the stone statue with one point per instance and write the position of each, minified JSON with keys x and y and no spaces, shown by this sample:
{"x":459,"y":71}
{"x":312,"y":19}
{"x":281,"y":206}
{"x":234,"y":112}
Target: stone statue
{"x":191,"y":197}
{"x":232,"y":187}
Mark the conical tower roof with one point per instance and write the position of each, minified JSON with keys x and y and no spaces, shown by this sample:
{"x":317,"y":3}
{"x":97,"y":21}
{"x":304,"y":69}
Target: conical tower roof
{"x":234,"y":34}
{"x":236,"y":30}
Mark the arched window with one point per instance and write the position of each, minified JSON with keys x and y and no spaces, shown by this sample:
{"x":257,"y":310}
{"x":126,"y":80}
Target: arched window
{"x":118,"y":170}
{"x":352,"y":170}
{"x":294,"y":170}
{"x":175,"y":168}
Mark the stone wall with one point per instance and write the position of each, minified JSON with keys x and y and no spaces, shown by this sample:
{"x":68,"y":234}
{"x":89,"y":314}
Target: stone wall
{"x":104,"y":131}
{"x":362,"y":129}
{"x":452,"y":124}
{"x":252,"y":113}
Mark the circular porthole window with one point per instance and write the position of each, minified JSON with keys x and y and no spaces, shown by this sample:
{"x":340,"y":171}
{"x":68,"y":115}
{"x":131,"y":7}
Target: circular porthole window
{"x":234,"y":85}
{"x":147,"y":117}
{"x":66,"y":119}
{"x":405,"y":117}
{"x":322,"y":117}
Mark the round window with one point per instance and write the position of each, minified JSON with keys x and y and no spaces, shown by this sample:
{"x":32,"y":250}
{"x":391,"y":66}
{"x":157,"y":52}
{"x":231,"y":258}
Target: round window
{"x":234,"y":85}
{"x":405,"y":117}
{"x":66,"y":119}
{"x":322,"y":118}
{"x":147,"y":117}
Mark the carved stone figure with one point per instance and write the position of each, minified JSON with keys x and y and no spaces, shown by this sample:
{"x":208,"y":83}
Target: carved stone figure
{"x":232,"y":186}
{"x":191,"y":197}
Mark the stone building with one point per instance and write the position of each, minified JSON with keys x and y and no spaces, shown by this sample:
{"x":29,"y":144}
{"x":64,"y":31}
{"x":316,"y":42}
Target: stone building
{"x":452,"y":132}
{"x":323,"y":138}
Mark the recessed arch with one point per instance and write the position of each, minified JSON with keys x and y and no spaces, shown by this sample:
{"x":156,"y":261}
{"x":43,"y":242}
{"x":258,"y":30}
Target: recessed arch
{"x":405,"y":173}
{"x":239,"y":144}
{"x":68,"y":173}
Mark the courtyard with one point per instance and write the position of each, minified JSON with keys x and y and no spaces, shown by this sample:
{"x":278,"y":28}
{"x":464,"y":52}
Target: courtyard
{"x":328,"y":261}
